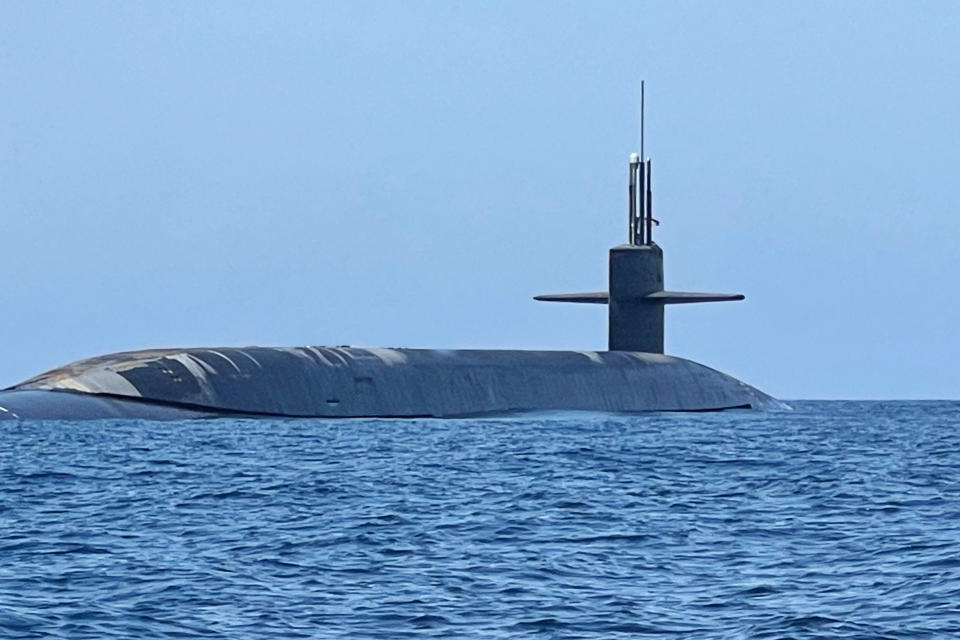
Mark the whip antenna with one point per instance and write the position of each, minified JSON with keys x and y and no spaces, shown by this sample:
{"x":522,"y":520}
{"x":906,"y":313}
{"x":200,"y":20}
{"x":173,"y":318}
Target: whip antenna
{"x":641,"y":119}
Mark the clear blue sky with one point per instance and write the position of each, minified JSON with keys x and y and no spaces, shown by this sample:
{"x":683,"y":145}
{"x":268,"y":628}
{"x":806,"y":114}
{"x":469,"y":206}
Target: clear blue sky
{"x":411,"y":173}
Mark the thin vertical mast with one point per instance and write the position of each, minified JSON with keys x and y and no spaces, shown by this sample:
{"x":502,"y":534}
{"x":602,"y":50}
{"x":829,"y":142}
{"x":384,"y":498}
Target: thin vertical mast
{"x":632,"y":225}
{"x":649,"y":206}
{"x":641,"y":120}
{"x":643,"y":229}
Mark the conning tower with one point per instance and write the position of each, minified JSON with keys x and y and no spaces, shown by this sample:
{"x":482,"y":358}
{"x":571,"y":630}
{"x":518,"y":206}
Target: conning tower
{"x":636,"y":297}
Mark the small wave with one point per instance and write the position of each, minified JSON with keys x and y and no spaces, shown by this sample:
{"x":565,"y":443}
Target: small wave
{"x":831,"y":520}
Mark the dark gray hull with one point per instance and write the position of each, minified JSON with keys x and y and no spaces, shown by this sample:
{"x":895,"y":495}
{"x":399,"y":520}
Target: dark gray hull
{"x":340,"y":382}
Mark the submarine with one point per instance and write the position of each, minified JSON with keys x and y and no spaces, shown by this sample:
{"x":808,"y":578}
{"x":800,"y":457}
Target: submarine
{"x":632,"y":375}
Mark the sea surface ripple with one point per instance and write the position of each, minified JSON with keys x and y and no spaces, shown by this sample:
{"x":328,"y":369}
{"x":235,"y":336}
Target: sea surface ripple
{"x":834,"y":520}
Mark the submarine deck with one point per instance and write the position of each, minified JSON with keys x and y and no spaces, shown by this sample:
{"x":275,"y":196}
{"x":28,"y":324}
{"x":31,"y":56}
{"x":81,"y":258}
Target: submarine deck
{"x":371,"y":382}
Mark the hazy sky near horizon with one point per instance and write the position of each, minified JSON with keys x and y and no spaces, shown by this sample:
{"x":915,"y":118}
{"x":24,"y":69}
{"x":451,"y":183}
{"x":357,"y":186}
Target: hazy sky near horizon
{"x":411,"y":173}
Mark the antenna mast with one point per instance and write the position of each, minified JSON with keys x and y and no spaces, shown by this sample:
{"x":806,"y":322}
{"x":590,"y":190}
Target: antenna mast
{"x":640,"y":230}
{"x":641,"y":118}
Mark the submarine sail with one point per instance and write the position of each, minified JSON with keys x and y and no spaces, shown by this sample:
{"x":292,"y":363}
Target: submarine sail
{"x":636,"y":297}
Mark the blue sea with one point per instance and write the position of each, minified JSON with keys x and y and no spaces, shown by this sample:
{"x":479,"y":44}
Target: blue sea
{"x":833,"y":520}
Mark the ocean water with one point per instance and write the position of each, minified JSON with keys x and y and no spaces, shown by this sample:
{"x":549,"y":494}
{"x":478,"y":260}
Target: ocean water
{"x":834,"y":520}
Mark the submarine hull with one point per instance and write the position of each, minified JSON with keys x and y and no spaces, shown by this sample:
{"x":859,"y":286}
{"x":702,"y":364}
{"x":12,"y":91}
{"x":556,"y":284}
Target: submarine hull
{"x":343,"y":382}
